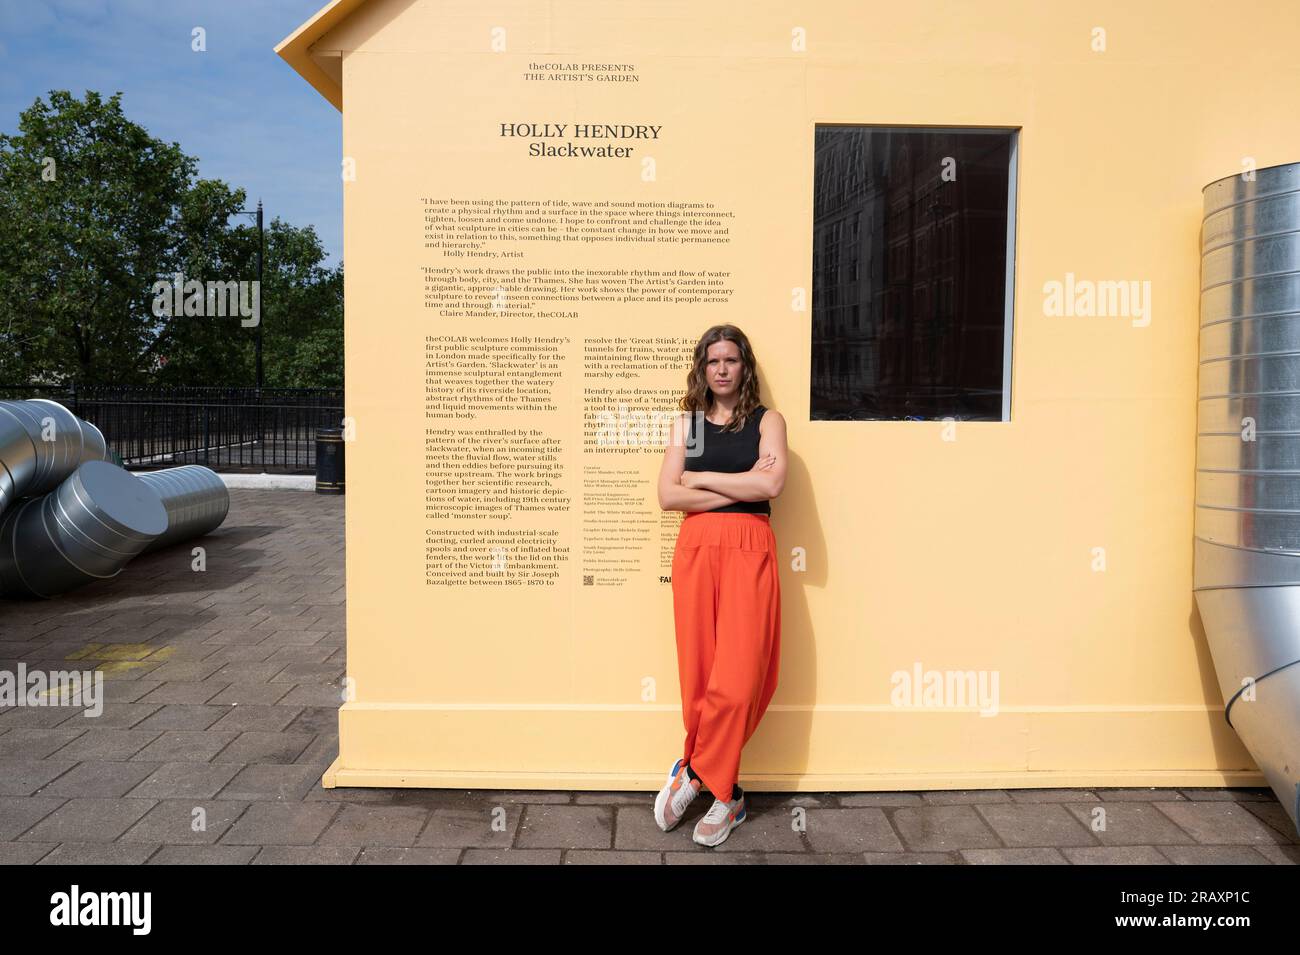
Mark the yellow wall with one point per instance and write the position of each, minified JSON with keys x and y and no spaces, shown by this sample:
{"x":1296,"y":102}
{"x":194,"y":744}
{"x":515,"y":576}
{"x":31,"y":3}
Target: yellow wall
{"x":972,"y":554}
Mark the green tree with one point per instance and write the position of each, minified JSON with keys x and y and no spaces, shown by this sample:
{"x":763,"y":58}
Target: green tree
{"x":301,"y":313}
{"x":93,"y":212}
{"x":303,"y":332}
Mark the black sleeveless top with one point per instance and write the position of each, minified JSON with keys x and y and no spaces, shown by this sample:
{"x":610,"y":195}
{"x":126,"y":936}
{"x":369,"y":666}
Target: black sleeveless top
{"x":729,"y":452}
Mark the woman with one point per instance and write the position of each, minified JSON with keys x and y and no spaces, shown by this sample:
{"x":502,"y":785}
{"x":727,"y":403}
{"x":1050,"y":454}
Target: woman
{"x":725,"y":460}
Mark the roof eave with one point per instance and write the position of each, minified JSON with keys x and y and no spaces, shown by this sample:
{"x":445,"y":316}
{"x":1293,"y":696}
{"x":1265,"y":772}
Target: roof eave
{"x":296,"y":48}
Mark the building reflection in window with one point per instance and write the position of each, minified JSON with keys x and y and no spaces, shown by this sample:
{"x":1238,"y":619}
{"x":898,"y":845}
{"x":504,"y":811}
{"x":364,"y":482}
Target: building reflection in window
{"x":910,"y":260}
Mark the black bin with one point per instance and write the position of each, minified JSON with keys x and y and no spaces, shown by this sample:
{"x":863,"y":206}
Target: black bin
{"x":329,"y":460}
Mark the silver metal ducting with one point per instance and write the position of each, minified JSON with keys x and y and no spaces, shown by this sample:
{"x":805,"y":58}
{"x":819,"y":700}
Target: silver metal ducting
{"x":1247,"y":540}
{"x":196,"y":500}
{"x":88,"y":528}
{"x":69,"y":516}
{"x":41,"y":443}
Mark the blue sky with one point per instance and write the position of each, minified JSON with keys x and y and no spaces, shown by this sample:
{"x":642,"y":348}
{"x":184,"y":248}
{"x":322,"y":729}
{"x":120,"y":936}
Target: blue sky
{"x":238,"y":108}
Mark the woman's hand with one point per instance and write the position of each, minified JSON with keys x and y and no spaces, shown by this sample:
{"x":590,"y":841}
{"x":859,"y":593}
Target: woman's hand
{"x":764,"y":463}
{"x":688,"y":479}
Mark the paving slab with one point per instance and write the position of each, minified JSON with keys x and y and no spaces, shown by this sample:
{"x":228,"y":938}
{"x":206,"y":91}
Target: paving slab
{"x":100,"y":853}
{"x":23,"y":777}
{"x":204,"y":855}
{"x":395,"y":826}
{"x":185,"y":822}
{"x":943,"y":828}
{"x":88,"y":819}
{"x":277,"y":782}
{"x":100,"y":778}
{"x":1220,"y":823}
{"x":19,"y":813}
{"x":282,"y":824}
{"x":1024,"y":825}
{"x":185,"y":780}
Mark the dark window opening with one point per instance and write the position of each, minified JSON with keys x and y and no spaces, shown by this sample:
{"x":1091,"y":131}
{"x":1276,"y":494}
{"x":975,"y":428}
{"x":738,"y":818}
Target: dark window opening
{"x":924,"y":277}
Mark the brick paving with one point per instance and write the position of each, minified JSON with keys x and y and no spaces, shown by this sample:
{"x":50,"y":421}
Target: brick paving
{"x":221,"y":692}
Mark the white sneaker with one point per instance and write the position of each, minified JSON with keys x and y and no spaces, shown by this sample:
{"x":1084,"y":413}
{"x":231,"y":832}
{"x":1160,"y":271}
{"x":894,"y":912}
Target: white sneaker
{"x":721,"y":818}
{"x":678,"y":793}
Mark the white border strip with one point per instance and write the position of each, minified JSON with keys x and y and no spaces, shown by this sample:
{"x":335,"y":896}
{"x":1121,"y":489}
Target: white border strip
{"x":1009,"y":295}
{"x":272,"y":482}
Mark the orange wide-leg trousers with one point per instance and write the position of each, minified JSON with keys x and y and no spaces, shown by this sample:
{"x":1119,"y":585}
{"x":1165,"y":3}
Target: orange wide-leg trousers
{"x":727,"y":611}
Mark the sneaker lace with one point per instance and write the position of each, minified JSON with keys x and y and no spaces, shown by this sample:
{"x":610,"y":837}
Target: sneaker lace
{"x":718,"y":811}
{"x":685,"y":793}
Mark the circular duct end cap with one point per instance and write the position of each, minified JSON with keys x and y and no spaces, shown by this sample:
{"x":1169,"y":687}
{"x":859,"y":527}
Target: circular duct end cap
{"x":123,"y":498}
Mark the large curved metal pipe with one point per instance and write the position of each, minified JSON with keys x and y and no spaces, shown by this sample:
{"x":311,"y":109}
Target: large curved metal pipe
{"x":1247,"y":540}
{"x":196,"y":500}
{"x":64,"y":522}
{"x":41,"y":444}
{"x":87,"y":529}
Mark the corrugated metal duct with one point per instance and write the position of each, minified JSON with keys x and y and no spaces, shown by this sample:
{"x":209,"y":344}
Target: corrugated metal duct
{"x":196,"y":500}
{"x":68,"y":516}
{"x":1247,"y":548}
{"x":41,"y":443}
{"x":87,"y":529}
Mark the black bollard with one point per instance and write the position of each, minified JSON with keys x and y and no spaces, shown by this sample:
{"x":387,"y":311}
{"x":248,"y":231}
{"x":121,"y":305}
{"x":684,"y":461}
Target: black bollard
{"x":329,"y":461}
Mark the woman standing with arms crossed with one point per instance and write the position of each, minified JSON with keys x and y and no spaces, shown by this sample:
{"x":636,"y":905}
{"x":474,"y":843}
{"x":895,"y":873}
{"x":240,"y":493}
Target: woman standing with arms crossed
{"x":725,"y":460}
